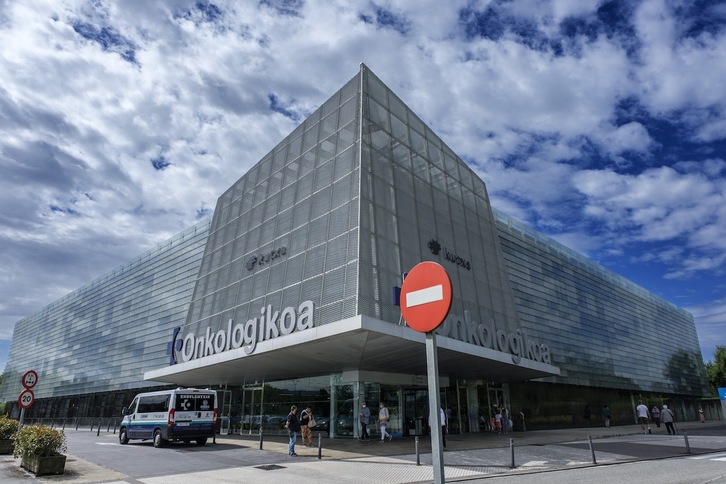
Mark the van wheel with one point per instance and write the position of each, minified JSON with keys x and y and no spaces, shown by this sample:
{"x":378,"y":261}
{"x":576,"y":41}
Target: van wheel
{"x":158,"y":441}
{"x":201,"y":442}
{"x":123,"y":436}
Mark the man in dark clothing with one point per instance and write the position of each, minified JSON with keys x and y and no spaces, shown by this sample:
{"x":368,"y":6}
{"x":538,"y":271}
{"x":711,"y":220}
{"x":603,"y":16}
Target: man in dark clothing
{"x":293,"y":427}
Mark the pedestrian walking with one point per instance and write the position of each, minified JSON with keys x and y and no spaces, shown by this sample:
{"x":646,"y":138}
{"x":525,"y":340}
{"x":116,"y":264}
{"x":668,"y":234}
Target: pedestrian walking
{"x":292,"y":424}
{"x":606,"y":415}
{"x":643,"y":417}
{"x":306,"y":418}
{"x":442,"y":416}
{"x":655,"y":414}
{"x":383,"y":418}
{"x":364,"y":416}
{"x":667,"y":417}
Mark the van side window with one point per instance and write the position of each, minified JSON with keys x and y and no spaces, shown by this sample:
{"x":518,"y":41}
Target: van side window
{"x":132,"y":407}
{"x":154,"y":404}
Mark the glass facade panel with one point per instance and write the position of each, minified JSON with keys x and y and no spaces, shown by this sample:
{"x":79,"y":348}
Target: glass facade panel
{"x":103,"y":336}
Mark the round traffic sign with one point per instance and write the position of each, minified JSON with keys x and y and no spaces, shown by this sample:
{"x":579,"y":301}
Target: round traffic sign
{"x":426,"y":296}
{"x":30,"y":378}
{"x":26,"y":398}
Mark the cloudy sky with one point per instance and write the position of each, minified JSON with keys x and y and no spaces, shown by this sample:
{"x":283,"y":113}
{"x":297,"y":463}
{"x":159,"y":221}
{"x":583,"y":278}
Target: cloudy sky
{"x":601,"y":124}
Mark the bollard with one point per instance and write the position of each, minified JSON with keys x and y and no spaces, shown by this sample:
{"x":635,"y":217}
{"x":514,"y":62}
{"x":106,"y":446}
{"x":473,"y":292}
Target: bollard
{"x":114,"y":426}
{"x":260,"y":438}
{"x":91,"y":425}
{"x":418,"y":456}
{"x":592,"y":450}
{"x":688,"y":446}
{"x":511,"y":447}
{"x":64,"y":424}
{"x":108,"y":428}
{"x":320,"y":445}
{"x":98,"y":432}
{"x":76,"y":424}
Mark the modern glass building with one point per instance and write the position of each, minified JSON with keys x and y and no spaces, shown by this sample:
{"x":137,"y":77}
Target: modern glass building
{"x":288,"y":297}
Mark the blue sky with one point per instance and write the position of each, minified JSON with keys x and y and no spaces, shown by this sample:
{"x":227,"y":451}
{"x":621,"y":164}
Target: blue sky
{"x":601,"y":124}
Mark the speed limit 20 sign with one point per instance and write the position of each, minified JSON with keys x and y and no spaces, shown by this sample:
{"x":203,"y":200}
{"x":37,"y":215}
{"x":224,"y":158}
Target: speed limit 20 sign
{"x":26,"y":398}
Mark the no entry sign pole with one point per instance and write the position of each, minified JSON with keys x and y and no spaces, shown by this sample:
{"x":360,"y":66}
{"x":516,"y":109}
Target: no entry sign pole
{"x":425,"y":302}
{"x":432,"y":370}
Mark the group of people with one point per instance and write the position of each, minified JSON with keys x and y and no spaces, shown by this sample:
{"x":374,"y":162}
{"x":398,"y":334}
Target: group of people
{"x":384,"y":417}
{"x":302,"y":424}
{"x":306,"y":422}
{"x":364,"y":417}
{"x":664,"y":415}
{"x":501,"y":421}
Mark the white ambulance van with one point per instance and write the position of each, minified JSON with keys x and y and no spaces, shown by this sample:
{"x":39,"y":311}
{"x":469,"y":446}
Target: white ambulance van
{"x":183,"y":414}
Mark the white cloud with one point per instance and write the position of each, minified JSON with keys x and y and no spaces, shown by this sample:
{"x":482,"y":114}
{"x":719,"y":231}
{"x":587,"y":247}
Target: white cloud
{"x":82,"y":123}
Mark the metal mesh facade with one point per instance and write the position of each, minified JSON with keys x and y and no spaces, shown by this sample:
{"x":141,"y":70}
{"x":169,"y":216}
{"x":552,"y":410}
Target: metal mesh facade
{"x":287,"y":231}
{"x":419,"y":201}
{"x":604,"y":330}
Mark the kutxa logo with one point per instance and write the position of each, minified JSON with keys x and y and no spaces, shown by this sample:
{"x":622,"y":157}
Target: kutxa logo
{"x":265,"y":257}
{"x":436,"y":248}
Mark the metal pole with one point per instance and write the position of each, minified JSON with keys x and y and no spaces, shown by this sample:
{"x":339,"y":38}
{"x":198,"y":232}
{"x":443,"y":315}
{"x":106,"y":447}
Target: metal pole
{"x":511,"y":446}
{"x":98,"y":432}
{"x":108,"y":428}
{"x":432,"y":369}
{"x":22,"y":417}
{"x":114,"y":426}
{"x":418,"y":456}
{"x":77,"y":423}
{"x":592,"y":450}
{"x":260,"y":438}
{"x":688,"y":446}
{"x":91,"y":425}
{"x":320,"y":445}
{"x":64,"y":424}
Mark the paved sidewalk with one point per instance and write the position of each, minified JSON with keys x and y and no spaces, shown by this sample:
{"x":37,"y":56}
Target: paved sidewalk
{"x":467,"y":457}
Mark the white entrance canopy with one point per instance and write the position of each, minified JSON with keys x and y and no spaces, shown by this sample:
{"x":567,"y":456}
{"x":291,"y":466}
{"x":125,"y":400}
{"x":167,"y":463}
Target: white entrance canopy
{"x":360,"y":343}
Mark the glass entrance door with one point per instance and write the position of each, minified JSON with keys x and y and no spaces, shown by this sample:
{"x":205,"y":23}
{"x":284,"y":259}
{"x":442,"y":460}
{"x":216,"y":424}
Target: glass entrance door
{"x":225,"y":407}
{"x":416,"y":411}
{"x":251,"y":415}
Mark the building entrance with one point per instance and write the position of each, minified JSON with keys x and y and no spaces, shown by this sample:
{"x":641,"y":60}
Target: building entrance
{"x":416,"y":411}
{"x":251,"y":415}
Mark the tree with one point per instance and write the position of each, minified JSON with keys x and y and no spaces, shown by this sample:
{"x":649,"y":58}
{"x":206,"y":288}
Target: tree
{"x":716,"y":370}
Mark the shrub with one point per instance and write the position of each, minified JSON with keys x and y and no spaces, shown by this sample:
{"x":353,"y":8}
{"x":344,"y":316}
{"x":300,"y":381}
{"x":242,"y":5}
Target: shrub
{"x":32,"y":440}
{"x":8,"y":427}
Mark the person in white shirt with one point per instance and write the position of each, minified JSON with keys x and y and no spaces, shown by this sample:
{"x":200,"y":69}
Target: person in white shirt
{"x":383,"y":418}
{"x":643,"y":417}
{"x":442,"y":416}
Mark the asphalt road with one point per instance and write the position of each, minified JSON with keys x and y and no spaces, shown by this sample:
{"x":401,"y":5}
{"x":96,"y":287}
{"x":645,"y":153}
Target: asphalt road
{"x":701,"y":470}
{"x":563,"y":456}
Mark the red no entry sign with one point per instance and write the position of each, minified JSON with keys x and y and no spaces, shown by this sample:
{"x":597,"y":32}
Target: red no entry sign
{"x":426,"y":296}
